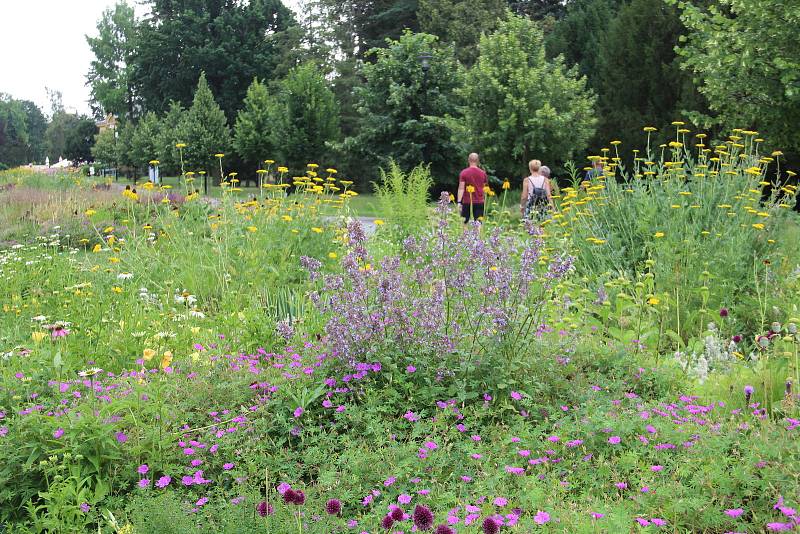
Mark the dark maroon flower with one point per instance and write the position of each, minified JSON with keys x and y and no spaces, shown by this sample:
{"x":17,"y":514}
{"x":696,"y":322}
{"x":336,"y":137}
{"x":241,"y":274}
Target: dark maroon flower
{"x":264,"y":509}
{"x":444,"y":529}
{"x":333,"y":507}
{"x":423,"y":517}
{"x":737,"y":338}
{"x":490,"y":526}
{"x":723,"y":312}
{"x":299,"y":498}
{"x":397,"y":514}
{"x":387,"y":522}
{"x":788,"y":388}
{"x":289,"y":496}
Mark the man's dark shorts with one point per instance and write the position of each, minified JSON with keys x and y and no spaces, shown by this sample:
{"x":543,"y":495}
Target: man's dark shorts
{"x":477,"y":211}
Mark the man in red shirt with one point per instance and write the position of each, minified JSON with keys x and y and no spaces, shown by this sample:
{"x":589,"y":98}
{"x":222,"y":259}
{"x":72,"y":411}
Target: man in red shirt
{"x":471,"y":182}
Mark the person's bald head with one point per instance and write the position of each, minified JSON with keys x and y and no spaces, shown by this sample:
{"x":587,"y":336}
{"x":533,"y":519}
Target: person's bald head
{"x":474,"y":159}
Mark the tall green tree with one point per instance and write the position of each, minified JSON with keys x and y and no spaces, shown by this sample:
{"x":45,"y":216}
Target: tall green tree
{"x":106,"y":148}
{"x":171,"y":131}
{"x":233,"y":41}
{"x":538,"y":9}
{"x":253,"y":133}
{"x":521,"y":106}
{"x":307,"y":120}
{"x":144,"y":141}
{"x":79,"y":139}
{"x":36,"y":124}
{"x":461,"y":22}
{"x":404,"y":109}
{"x":205,"y":128}
{"x":70,"y":136}
{"x":746,"y":56}
{"x":580,"y":35}
{"x":639,"y":80}
{"x":111,"y":71}
{"x":14,"y":138}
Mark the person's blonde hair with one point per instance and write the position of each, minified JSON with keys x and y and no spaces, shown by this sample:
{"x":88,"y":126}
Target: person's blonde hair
{"x":534,"y":165}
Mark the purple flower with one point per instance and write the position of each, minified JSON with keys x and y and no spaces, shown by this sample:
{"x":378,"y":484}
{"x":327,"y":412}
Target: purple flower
{"x":444,"y":529}
{"x":121,"y":437}
{"x":201,"y":501}
{"x":723,"y":312}
{"x":333,"y":507}
{"x":658,"y":522}
{"x":490,"y":526}
{"x":84,"y":507}
{"x":780,"y":527}
{"x":228,"y":466}
{"x":516,"y":395}
{"x":597,"y":515}
{"x":734,"y":512}
{"x":387,"y":522}
{"x":541,"y":518}
{"x":614,"y":440}
{"x":58,"y":433}
{"x":163,"y":482}
{"x":397,"y":514}
{"x":264,"y":509}
{"x":298,"y":411}
{"x":143,"y":469}
{"x":621,"y":485}
{"x":143,"y":483}
{"x":423,"y":517}
{"x":411,"y":369}
{"x":748,"y":392}
{"x":299,"y":498}
{"x":282,"y":487}
{"x":404,"y":498}
{"x":642,"y":521}
{"x":500,"y":501}
{"x":736,"y":338}
{"x":656,"y":468}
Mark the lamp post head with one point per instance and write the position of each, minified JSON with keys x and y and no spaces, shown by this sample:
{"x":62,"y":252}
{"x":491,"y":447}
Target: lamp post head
{"x":425,"y":61}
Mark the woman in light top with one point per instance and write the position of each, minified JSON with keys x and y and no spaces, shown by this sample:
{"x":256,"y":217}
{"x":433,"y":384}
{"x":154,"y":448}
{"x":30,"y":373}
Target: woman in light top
{"x":537,"y":194}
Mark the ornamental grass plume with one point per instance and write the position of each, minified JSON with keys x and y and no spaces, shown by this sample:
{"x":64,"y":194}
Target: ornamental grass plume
{"x":423,"y":517}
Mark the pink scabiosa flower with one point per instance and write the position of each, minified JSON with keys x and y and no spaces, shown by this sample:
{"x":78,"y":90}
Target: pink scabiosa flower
{"x":614,"y":440}
{"x":490,"y":526}
{"x":163,"y":482}
{"x":143,"y":469}
{"x":58,"y":433}
{"x":423,"y":517}
{"x":541,"y":518}
{"x":734,"y":512}
{"x":333,"y":507}
{"x":144,"y":483}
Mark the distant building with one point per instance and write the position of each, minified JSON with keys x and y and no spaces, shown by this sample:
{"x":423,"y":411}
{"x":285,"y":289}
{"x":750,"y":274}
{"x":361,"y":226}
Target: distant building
{"x":109,"y":123}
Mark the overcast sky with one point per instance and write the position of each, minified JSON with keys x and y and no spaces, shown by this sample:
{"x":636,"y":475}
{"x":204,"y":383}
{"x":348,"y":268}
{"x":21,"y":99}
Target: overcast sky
{"x":43,"y":44}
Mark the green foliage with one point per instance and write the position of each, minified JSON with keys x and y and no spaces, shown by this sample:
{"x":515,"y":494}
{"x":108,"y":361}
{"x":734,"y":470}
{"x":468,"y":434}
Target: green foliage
{"x":254,"y":132}
{"x":232,"y":42}
{"x":461,"y":23}
{"x":70,"y":136}
{"x":205,"y":128}
{"x":403,"y":108}
{"x":638,"y":77}
{"x":171,"y":131}
{"x":106,"y":149}
{"x":744,"y":53}
{"x":521,"y":106}
{"x":111,"y":70}
{"x":403,"y":198}
{"x":144,"y":141}
{"x":306,"y":118}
